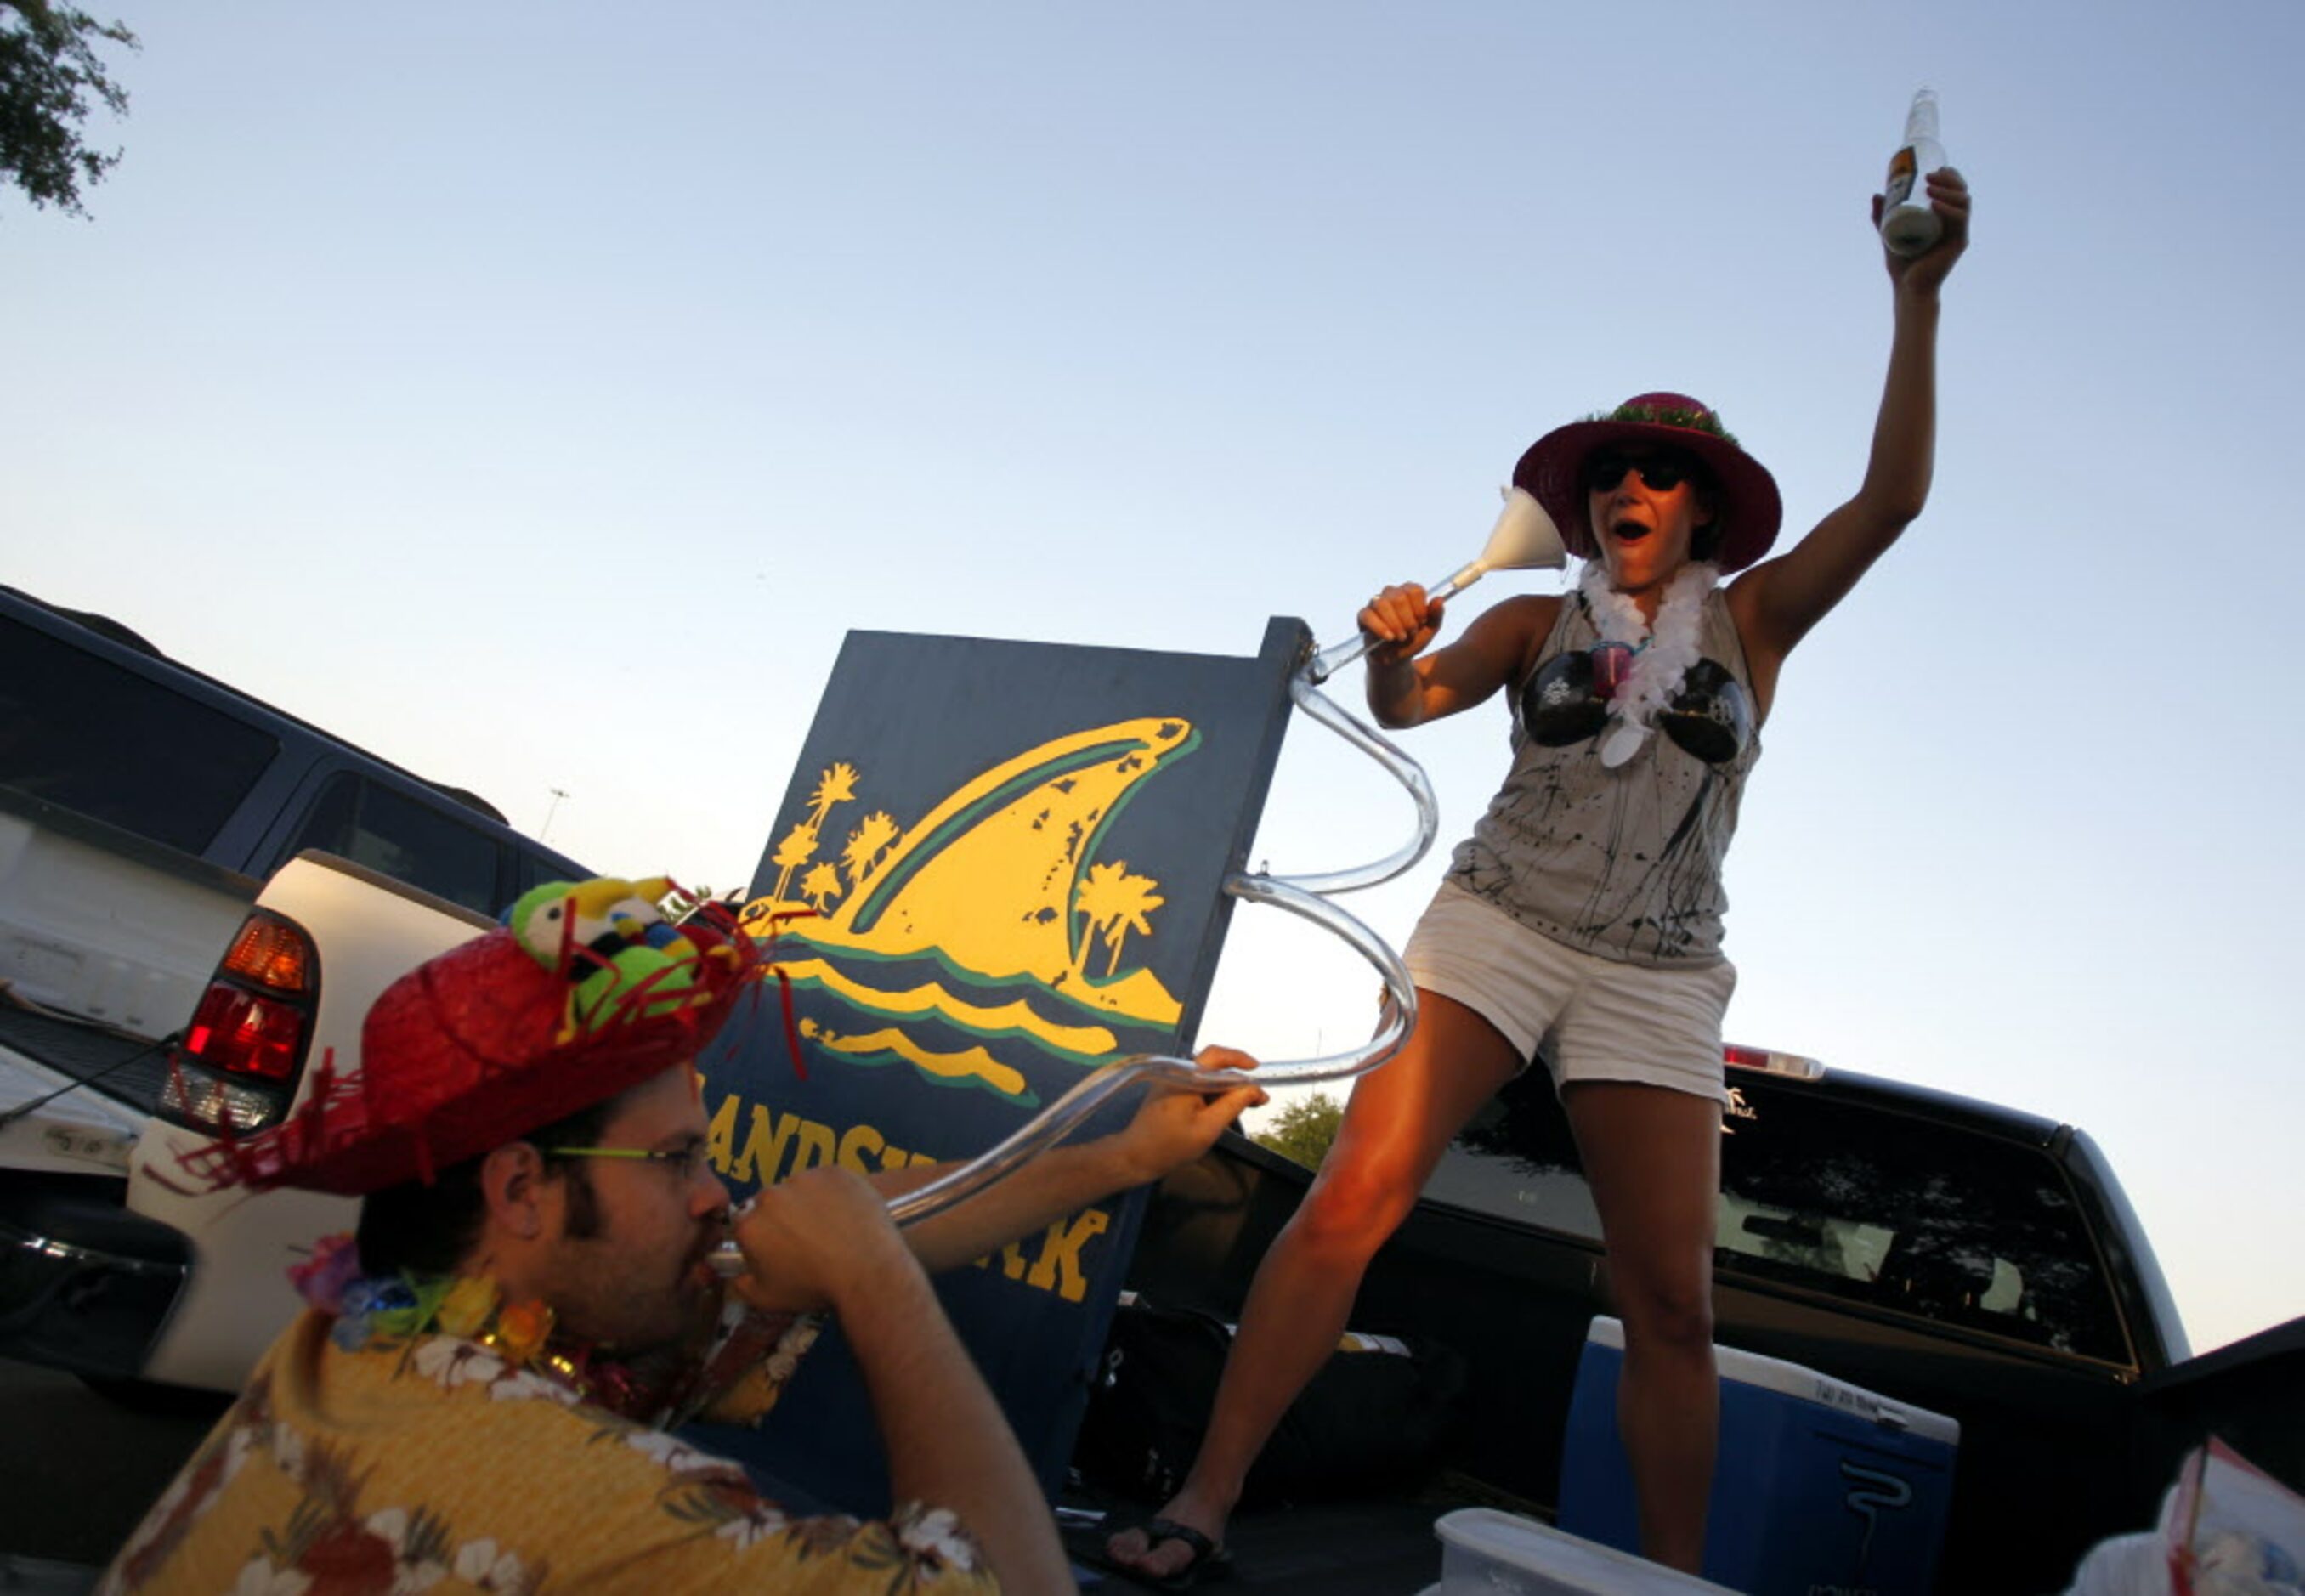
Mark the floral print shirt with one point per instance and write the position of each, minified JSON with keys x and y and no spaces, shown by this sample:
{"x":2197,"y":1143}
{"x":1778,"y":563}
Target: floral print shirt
{"x":433,"y":1465}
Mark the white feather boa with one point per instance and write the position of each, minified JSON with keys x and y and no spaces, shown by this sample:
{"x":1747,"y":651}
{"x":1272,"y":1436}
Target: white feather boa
{"x":1665,"y":652}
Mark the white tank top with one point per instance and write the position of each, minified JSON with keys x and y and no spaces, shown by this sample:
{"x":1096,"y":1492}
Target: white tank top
{"x":1622,"y":863}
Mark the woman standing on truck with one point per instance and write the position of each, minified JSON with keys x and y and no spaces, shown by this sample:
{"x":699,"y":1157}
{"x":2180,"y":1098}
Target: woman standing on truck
{"x":1583,"y":916}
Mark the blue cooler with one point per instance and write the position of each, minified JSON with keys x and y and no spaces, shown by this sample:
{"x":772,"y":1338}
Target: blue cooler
{"x":1819,"y":1485}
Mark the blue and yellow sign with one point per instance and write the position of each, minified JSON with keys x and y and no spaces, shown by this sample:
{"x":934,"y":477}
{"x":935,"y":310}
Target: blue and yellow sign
{"x":998,"y":866}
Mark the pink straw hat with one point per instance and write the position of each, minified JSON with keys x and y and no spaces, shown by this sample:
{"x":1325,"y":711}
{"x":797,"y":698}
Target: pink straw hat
{"x":1553,"y":471}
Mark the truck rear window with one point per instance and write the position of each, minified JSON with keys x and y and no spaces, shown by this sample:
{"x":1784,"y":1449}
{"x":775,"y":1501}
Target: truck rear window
{"x":102,"y":740}
{"x":389,"y":832}
{"x":1886,"y":1209}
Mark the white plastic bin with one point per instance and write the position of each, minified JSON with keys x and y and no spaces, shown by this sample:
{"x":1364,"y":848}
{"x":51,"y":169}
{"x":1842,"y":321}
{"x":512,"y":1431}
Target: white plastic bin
{"x":1487,"y":1553}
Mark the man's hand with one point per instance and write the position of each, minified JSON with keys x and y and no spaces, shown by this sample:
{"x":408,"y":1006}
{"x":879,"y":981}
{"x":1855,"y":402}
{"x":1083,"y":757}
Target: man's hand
{"x":817,"y":1241}
{"x":1174,"y":1125}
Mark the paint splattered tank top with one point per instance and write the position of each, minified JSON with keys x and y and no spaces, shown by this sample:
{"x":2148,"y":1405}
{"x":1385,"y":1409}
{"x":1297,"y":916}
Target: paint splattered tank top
{"x":1624,"y":863}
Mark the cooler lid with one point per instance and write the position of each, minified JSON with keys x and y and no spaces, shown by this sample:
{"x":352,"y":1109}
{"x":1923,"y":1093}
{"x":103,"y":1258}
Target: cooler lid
{"x":1806,"y":1384}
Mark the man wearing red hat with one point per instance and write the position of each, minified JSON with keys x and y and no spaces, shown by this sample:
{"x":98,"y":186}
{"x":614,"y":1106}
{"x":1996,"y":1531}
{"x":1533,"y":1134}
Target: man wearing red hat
{"x":478,"y":1398}
{"x":1581,"y":920}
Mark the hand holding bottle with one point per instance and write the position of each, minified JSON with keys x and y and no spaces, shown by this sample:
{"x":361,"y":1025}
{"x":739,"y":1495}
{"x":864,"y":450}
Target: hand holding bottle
{"x":1922,"y":274}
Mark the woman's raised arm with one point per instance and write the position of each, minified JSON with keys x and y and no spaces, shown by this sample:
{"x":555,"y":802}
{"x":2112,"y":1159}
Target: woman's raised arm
{"x":1776,"y":602}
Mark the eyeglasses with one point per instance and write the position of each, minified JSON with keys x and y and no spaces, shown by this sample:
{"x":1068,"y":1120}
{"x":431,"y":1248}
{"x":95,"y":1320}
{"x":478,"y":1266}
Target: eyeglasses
{"x":1661,"y":471}
{"x":688,"y":1160}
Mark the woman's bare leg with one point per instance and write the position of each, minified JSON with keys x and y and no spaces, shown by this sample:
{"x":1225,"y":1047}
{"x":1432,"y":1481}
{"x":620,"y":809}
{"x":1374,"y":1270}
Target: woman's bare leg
{"x":1396,"y":1124}
{"x":1653,"y":1155}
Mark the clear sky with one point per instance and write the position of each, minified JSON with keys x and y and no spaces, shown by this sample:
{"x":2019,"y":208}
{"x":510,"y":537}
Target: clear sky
{"x":536,"y":395}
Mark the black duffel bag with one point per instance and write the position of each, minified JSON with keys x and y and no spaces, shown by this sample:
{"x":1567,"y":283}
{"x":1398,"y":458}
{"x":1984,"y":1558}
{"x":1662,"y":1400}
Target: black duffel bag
{"x":1371,"y":1420}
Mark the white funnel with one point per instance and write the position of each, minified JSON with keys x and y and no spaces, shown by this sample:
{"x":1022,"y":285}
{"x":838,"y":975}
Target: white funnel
{"x":1524,"y":538}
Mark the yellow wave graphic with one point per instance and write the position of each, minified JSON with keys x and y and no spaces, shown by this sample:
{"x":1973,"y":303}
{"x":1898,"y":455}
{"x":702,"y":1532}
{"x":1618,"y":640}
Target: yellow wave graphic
{"x":969,"y":1064}
{"x":997,"y":882}
{"x":931,"y":998}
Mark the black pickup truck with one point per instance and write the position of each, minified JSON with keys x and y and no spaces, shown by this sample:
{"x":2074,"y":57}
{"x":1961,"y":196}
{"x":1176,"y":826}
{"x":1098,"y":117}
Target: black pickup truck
{"x":1962,"y":1258}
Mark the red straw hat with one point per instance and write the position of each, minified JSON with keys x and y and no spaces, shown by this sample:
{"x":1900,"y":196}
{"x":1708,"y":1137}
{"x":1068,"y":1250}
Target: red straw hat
{"x":585,"y":993}
{"x":1552,"y":472}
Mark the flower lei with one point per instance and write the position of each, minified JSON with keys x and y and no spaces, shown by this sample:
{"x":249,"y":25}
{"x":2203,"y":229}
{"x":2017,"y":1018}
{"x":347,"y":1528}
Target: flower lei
{"x":381,"y":1310}
{"x":1663,"y":653}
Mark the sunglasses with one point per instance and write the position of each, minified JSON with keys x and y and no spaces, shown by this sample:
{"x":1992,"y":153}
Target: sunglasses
{"x":1661,"y":471}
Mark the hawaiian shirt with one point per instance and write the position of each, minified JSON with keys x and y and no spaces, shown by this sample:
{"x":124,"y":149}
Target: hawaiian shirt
{"x":434,"y":1465}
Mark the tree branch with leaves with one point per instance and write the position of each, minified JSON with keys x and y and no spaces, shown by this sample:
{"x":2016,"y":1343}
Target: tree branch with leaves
{"x":1303,"y":1130}
{"x":49,"y":73}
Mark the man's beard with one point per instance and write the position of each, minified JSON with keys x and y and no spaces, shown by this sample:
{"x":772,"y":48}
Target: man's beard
{"x":674,"y":1308}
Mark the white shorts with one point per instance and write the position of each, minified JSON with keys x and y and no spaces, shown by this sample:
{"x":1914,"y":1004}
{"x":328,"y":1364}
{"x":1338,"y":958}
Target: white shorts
{"x":1592,"y":1019}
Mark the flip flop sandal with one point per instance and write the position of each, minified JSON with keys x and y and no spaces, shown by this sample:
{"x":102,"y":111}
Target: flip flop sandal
{"x":1210,"y":1562}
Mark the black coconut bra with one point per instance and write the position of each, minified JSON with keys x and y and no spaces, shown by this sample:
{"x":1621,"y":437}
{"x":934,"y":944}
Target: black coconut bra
{"x":1568,"y":701}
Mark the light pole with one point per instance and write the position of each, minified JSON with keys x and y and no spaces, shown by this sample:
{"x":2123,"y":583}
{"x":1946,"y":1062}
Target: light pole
{"x":544,"y":830}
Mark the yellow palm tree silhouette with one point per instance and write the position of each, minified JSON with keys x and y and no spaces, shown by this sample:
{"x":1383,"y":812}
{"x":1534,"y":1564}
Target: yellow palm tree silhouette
{"x":837,"y":784}
{"x":1116,"y":903}
{"x":872,"y":837}
{"x":797,"y":849}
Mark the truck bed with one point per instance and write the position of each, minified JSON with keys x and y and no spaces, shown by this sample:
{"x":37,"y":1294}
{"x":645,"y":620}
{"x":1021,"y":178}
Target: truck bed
{"x":82,"y":1051}
{"x":2053,"y":1455}
{"x":1370,"y":1548}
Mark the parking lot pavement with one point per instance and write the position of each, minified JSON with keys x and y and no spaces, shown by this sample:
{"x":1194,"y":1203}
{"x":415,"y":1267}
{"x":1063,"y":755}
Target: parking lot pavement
{"x":77,"y":1470}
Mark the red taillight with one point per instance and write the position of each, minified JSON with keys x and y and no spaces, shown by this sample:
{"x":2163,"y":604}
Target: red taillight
{"x":244,"y":1051}
{"x":1794,"y":1064}
{"x":245,"y":1033}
